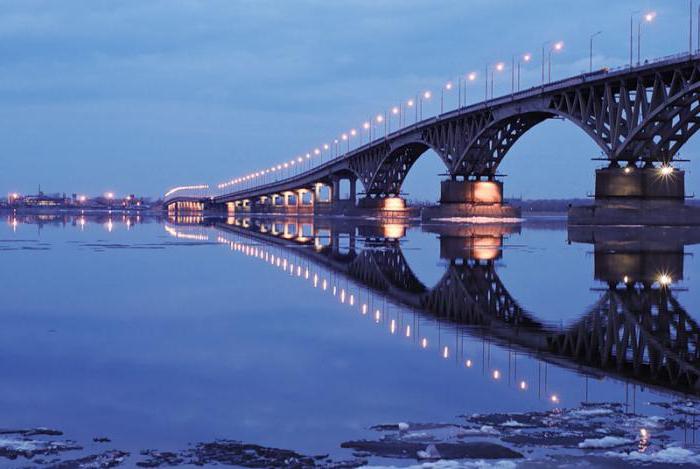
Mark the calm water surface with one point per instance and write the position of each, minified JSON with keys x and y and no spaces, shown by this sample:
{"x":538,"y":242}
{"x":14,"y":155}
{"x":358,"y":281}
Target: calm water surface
{"x":302,"y":335}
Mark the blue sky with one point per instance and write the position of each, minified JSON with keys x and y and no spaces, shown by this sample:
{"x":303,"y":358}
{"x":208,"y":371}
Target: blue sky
{"x":136,"y":96}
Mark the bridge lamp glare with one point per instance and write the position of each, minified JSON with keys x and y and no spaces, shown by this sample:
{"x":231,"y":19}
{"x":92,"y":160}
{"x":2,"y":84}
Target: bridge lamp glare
{"x":380,"y":118}
{"x":335,"y":141}
{"x":664,"y":280}
{"x":496,"y":374}
{"x":649,"y":17}
{"x":325,"y":146}
{"x":448,"y":85}
{"x":559,"y":45}
{"x":109,"y":195}
{"x":427,"y":95}
{"x":554,"y":399}
{"x":522,"y":385}
{"x":394,"y":110}
{"x":353,"y":132}
{"x":286,"y":165}
{"x":471,"y":76}
{"x":410,"y":103}
{"x":300,"y":158}
{"x":365,"y":125}
{"x":317,"y":151}
{"x":344,"y":136}
{"x":468,"y":363}
{"x":500,"y":66}
{"x":666,"y":170}
{"x":308,"y":155}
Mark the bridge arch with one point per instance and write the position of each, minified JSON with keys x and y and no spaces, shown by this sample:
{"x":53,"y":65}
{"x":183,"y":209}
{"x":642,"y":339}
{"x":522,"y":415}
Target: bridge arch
{"x":392,"y":167}
{"x":484,"y":153}
{"x":666,"y":128}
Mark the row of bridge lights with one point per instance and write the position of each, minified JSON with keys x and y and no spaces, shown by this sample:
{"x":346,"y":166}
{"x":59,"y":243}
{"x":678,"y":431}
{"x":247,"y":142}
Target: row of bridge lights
{"x":346,"y":297}
{"x":336,"y":147}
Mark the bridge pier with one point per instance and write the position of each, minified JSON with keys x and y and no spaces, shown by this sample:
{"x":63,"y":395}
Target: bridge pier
{"x":637,"y":196}
{"x":467,"y":199}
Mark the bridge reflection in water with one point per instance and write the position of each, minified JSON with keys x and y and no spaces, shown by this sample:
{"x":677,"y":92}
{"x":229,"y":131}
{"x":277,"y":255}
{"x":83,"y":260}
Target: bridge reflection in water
{"x":637,"y":331}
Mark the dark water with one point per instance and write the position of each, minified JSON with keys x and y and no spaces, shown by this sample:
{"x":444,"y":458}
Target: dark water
{"x":303,"y":335}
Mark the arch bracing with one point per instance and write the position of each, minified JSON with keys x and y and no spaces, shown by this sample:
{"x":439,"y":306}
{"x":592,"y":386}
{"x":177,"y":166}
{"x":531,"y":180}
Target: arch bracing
{"x":643,"y":333}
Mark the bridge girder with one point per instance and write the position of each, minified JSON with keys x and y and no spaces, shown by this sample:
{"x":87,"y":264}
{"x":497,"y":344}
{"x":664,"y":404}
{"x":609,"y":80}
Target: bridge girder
{"x":643,"y":116}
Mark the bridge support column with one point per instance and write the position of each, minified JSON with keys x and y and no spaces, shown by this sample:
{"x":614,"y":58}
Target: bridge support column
{"x":467,"y":199}
{"x":637,"y":196}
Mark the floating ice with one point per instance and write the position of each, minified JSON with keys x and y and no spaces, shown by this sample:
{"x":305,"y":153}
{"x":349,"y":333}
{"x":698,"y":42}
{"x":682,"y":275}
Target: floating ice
{"x":605,"y":442}
{"x":671,"y":455}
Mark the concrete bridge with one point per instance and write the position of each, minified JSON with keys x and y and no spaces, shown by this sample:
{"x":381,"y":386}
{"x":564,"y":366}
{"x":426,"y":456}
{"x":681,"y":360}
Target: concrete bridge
{"x":638,"y":116}
{"x":636,"y":331}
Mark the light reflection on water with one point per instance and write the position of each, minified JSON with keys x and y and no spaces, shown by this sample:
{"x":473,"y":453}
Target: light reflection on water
{"x":302,"y":333}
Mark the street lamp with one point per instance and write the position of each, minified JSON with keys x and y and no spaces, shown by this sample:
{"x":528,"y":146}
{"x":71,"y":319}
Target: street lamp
{"x":499,"y":67}
{"x":590,"y":50}
{"x":380,"y":118}
{"x":366,"y":125}
{"x":396,"y":111}
{"x":558,"y":46}
{"x":447,"y":87}
{"x":526,"y":57}
{"x":425,"y":96}
{"x":353,"y":133}
{"x":412,"y":103}
{"x":632,"y":15}
{"x":471,"y":76}
{"x":648,"y":18}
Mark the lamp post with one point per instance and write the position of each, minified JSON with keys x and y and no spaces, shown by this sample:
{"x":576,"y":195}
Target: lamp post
{"x":632,"y":15}
{"x":396,"y":111}
{"x":447,"y":87}
{"x":556,"y":48}
{"x":353,"y":133}
{"x":471,"y":76}
{"x":412,"y":103}
{"x":544,"y":44}
{"x":648,"y":18}
{"x":525,"y":58}
{"x":499,"y":67}
{"x":425,"y":96}
{"x":590,"y":50}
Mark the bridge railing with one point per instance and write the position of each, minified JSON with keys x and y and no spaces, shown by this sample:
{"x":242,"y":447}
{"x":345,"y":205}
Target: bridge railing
{"x":317,"y":162}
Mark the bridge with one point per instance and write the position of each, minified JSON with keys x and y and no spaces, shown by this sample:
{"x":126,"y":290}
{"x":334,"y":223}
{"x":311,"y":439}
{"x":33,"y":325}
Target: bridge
{"x":636,"y":331}
{"x":638,"y":116}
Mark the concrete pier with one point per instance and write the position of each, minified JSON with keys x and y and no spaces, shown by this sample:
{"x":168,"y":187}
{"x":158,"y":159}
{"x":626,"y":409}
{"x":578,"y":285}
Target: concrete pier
{"x":638,"y":196}
{"x":467,"y":199}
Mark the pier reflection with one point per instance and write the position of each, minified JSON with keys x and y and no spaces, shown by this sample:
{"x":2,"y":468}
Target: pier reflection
{"x":637,"y":331}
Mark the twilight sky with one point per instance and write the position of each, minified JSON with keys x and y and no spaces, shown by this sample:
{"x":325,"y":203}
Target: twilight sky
{"x":136,"y":96}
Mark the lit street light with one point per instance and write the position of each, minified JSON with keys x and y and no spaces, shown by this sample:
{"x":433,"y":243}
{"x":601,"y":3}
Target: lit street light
{"x":425,"y":96}
{"x":648,"y":18}
{"x":447,"y":87}
{"x":412,"y":103}
{"x":499,"y":67}
{"x":524,"y":58}
{"x":558,"y":46}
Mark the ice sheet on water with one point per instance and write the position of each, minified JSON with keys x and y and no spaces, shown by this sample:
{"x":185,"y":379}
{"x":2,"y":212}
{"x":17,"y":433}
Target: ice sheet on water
{"x":670,"y":455}
{"x":605,"y":442}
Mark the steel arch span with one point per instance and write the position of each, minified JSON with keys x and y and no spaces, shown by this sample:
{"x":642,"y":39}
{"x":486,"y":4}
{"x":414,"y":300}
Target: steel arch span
{"x":641,"y":115}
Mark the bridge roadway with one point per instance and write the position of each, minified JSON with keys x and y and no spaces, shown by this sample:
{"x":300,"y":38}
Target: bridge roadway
{"x":635,"y":333}
{"x":639,"y":117}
